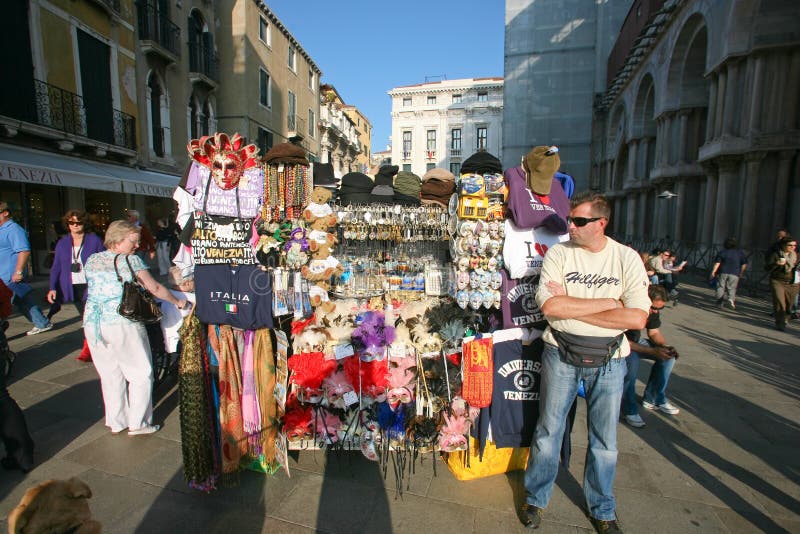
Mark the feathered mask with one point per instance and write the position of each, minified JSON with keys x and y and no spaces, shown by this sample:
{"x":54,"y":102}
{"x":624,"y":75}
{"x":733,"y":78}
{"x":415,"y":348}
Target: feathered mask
{"x":372,"y":336}
{"x":373,"y":377}
{"x":227,"y":157}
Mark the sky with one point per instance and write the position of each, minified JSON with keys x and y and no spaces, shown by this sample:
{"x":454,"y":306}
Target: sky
{"x":366,"y":48}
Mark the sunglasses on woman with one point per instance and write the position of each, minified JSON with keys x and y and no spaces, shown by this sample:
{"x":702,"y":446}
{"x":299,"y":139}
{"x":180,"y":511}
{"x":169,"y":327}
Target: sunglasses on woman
{"x":582,"y":221}
{"x":75,"y":223}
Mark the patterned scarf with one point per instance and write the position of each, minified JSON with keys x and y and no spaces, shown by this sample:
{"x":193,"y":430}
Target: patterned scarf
{"x":265,"y":386}
{"x":251,"y":414}
{"x":234,"y":441}
{"x":198,"y":437}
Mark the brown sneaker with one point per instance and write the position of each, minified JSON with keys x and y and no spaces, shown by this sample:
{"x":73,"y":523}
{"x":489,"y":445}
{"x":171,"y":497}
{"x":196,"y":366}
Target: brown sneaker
{"x":532,"y":516}
{"x":603,"y":526}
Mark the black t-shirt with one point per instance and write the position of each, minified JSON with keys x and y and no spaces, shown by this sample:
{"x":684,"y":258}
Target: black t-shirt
{"x":653,"y":322}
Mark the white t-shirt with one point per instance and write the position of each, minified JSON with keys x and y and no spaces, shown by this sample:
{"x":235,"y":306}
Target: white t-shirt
{"x":524,"y":250}
{"x":79,"y":277}
{"x":614,"y":272}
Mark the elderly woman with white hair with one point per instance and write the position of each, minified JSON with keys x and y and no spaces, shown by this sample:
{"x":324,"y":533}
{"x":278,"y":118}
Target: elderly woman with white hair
{"x":120,"y":348}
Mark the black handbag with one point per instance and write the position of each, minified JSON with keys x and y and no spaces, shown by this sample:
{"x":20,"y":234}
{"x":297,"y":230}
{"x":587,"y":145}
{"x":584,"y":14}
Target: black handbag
{"x":586,"y":351}
{"x":137,"y":303}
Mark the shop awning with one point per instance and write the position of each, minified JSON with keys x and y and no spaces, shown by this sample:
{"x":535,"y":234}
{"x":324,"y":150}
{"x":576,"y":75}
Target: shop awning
{"x":19,"y":164}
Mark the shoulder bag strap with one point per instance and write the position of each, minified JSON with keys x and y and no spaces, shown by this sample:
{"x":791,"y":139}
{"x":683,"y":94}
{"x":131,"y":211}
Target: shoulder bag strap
{"x":116,"y":271}
{"x":133,"y":274}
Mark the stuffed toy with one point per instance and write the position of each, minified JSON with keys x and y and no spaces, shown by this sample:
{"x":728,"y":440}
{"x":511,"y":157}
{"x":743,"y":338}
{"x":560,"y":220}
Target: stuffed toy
{"x":55,"y":506}
{"x":319,"y":207}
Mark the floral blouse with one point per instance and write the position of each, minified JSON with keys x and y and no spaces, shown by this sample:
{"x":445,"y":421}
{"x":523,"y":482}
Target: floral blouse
{"x":104,"y":290}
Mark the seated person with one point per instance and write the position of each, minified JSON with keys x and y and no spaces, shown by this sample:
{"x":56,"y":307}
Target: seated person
{"x":653,"y":348}
{"x":661,"y":263}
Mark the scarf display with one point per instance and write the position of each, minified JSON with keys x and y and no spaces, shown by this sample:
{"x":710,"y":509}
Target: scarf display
{"x":251,"y":412}
{"x":198,"y":436}
{"x":264,"y":368}
{"x":233,"y":438}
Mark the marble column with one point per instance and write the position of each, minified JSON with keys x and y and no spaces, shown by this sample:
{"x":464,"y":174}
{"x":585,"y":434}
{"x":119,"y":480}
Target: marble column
{"x":792,"y":89}
{"x":712,"y":107}
{"x":747,"y":236}
{"x":709,"y":206}
{"x":782,"y":188}
{"x":644,"y":148}
{"x":757,"y":95}
{"x":633,"y":147}
{"x":641,"y":219}
{"x":731,"y":115}
{"x":728,"y":170}
{"x":683,"y":117}
{"x":609,"y":183}
{"x":680,"y":207}
{"x":659,"y":141}
{"x":630,"y":227}
{"x":616,"y":216}
{"x":721,"y":92}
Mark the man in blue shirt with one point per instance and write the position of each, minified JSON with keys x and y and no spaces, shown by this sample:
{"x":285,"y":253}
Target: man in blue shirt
{"x":14,"y":253}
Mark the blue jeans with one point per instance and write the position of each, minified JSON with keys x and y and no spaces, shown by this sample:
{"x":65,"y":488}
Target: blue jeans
{"x":30,"y":310}
{"x":656,"y":390}
{"x":603,"y":393}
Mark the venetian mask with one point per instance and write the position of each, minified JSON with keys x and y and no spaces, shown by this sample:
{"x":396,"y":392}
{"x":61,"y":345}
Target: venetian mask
{"x":227,"y":158}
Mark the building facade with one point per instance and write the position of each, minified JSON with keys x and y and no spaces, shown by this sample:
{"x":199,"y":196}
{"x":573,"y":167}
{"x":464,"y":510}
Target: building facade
{"x":270,"y":89}
{"x":339,"y":137}
{"x":364,"y":130}
{"x":706,"y":105}
{"x":440,"y":124}
{"x":70,"y":131}
{"x":555,"y":56}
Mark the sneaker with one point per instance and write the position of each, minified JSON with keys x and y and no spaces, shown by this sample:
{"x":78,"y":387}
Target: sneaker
{"x":667,"y":407}
{"x":532,"y":516}
{"x":733,"y":304}
{"x":603,"y":526}
{"x":36,"y":330}
{"x":635,"y":420}
{"x":673,"y":294}
{"x":149,"y":429}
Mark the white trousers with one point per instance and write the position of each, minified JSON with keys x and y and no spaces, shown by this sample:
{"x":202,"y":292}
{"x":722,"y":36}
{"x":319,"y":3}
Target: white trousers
{"x":121,"y":355}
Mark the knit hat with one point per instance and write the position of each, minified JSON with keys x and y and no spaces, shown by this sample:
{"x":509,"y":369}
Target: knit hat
{"x":355,"y":188}
{"x":406,"y":200}
{"x":440,"y":174}
{"x":286,"y":153}
{"x":323,"y":175}
{"x":407,"y":183}
{"x":386,"y":174}
{"x":435,"y":191}
{"x":481,"y":163}
{"x":540,"y":164}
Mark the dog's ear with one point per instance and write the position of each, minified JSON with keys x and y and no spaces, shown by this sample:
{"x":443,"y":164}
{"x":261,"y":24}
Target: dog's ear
{"x":79,"y":489}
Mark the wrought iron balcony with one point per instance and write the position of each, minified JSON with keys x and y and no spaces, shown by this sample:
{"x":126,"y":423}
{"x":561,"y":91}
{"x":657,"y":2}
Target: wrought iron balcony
{"x":296,"y":126}
{"x":112,"y":6}
{"x":406,"y":154}
{"x":124,"y":130}
{"x":455,"y":152}
{"x":156,"y":27}
{"x":58,"y":108}
{"x":203,"y":61}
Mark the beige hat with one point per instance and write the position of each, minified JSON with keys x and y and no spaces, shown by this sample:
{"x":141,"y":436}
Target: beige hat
{"x":540,"y":164}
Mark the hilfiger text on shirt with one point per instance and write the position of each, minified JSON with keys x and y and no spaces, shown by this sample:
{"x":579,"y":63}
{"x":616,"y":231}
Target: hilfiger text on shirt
{"x":591,"y":279}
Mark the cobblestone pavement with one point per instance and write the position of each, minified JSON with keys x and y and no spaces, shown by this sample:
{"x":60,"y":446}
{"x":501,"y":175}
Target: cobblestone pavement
{"x":727,"y":463}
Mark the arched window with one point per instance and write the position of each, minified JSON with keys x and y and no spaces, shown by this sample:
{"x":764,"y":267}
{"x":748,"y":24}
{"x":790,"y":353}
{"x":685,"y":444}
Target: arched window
{"x":155,"y":96}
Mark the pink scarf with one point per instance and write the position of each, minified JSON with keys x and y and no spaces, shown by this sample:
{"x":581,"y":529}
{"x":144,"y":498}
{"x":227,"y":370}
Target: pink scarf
{"x":251,"y":411}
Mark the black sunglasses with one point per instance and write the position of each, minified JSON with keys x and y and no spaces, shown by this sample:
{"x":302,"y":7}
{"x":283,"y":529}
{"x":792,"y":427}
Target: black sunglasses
{"x":582,"y":221}
{"x":659,"y":308}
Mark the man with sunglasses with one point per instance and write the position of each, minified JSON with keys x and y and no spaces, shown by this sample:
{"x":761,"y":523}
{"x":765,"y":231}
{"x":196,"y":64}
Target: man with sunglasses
{"x":591,"y":289}
{"x":15,"y":249}
{"x":653,"y":348}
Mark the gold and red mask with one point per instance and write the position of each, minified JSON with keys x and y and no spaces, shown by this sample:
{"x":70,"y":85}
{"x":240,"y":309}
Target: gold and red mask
{"x":226,"y":157}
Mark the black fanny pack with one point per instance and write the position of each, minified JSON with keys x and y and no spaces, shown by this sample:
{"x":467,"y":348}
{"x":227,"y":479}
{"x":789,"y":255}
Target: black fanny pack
{"x":586,"y":351}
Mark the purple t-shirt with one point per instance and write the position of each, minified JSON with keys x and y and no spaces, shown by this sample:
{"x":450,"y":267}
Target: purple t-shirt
{"x":223,"y":202}
{"x":528,"y":210}
{"x":518,"y":305}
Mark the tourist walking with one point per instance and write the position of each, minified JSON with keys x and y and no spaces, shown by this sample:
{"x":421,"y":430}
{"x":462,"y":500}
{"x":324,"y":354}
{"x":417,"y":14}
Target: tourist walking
{"x":783,"y":279}
{"x":729,"y":266}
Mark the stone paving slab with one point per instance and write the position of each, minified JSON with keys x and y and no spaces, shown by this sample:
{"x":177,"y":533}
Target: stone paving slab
{"x":726,"y":463}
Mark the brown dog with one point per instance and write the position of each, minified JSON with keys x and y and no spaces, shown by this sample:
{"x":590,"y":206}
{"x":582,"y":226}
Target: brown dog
{"x":54,"y":506}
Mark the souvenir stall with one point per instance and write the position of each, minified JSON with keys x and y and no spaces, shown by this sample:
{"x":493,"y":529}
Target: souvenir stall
{"x":398,"y":321}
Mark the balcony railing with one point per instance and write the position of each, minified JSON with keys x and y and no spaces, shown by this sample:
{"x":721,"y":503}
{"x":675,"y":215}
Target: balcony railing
{"x":430,"y":154}
{"x":59,"y":109}
{"x":159,"y":141}
{"x":406,"y":155}
{"x":65,"y":111}
{"x":296,"y":125}
{"x":204,"y":61}
{"x":124,"y":130}
{"x":455,"y":152}
{"x":155,"y":26}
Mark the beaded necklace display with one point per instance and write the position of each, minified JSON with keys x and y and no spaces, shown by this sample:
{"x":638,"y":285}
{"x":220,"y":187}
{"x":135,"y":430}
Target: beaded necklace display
{"x":287,"y":192}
